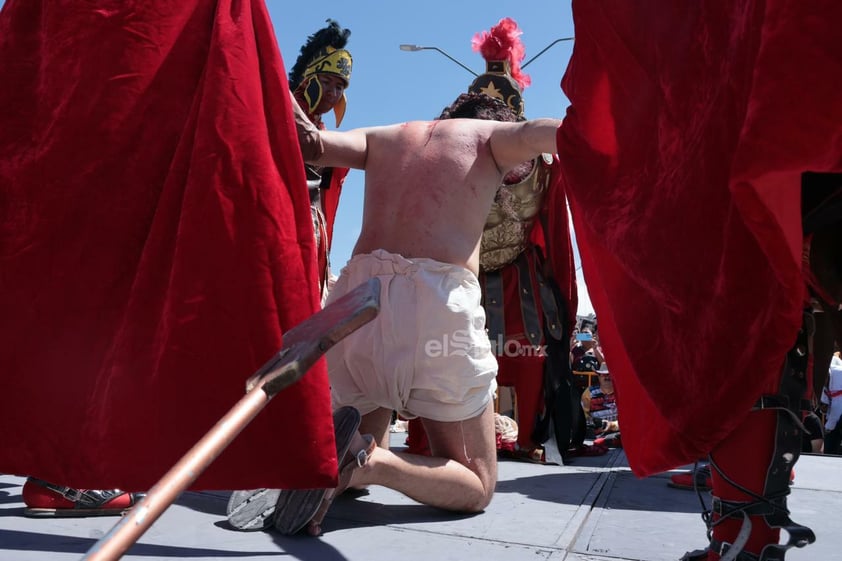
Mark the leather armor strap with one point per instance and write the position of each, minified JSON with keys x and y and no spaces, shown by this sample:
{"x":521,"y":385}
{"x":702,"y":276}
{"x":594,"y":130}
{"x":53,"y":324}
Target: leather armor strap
{"x":528,"y":309}
{"x":495,"y":322}
{"x":695,"y":555}
{"x":551,"y":311}
{"x":732,"y":508}
{"x":728,"y":552}
{"x":775,"y":512}
{"x":494,"y":304}
{"x":327,"y":178}
{"x":314,"y":190}
{"x":799,"y":536}
{"x":549,"y":303}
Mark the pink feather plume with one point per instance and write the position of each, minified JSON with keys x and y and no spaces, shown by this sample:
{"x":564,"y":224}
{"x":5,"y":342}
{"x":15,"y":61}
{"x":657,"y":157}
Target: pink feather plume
{"x":503,"y":42}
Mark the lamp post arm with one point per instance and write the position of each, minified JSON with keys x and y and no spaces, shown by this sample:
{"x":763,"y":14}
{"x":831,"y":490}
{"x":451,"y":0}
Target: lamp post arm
{"x":453,"y":59}
{"x":412,"y":48}
{"x":545,"y":49}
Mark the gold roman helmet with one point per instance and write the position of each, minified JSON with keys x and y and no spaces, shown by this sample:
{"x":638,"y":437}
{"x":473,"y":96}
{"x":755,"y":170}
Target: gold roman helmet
{"x":324,"y":53}
{"x":497,"y":82}
{"x":337,"y":62}
{"x":503,"y":51}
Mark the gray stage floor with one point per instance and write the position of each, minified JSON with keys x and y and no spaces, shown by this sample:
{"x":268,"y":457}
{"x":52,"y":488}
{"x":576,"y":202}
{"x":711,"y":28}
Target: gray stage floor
{"x":594,"y":509}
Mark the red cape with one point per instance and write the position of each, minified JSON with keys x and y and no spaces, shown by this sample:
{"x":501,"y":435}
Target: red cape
{"x":330,"y":200}
{"x":552,"y":234}
{"x":155,"y":243}
{"x":689,"y":127}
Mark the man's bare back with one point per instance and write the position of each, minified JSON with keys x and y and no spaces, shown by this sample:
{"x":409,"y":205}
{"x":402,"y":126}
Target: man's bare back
{"x":429,"y":185}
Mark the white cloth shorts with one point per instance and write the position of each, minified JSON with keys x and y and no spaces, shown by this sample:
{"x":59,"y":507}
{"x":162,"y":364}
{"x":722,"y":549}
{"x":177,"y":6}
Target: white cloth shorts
{"x":426,"y":354}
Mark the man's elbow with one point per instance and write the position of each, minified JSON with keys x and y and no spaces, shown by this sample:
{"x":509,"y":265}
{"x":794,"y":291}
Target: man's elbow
{"x":312,"y":145}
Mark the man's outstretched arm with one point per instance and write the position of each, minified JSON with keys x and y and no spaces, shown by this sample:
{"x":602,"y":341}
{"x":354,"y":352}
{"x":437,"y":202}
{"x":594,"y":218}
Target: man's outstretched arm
{"x":514,"y":143}
{"x":329,"y":148}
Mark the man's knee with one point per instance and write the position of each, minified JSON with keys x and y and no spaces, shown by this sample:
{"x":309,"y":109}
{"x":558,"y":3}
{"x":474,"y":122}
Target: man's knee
{"x":488,"y":481}
{"x":480,"y":501}
{"x":486,"y":499}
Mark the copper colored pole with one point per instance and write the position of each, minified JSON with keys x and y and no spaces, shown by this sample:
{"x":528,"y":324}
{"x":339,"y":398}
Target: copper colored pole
{"x":304,"y":344}
{"x":125,"y":533}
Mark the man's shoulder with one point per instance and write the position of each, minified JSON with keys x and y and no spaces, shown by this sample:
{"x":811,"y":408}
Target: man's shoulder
{"x":397,"y":129}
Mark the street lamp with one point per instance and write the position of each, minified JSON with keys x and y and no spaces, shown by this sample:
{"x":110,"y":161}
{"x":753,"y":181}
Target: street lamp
{"x":545,"y":49}
{"x":412,"y":48}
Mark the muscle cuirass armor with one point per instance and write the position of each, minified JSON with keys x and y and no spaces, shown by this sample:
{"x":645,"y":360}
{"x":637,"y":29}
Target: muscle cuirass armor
{"x":512,"y":215}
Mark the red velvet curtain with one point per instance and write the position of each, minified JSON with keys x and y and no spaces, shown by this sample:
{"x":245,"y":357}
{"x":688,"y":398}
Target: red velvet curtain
{"x":155,"y":243}
{"x":689,"y":127}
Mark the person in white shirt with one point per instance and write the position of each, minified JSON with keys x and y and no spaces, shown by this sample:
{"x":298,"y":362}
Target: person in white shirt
{"x":832,"y":405}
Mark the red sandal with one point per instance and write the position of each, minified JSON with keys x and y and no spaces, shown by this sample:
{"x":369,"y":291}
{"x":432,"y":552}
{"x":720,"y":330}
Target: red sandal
{"x":45,"y":500}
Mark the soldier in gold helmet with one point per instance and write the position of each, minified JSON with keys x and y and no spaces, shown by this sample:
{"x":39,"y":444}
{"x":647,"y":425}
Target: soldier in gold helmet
{"x":318,"y":81}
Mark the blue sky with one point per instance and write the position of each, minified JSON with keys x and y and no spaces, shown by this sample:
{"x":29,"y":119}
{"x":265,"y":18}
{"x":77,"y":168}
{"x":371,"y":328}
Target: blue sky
{"x":389,"y":85}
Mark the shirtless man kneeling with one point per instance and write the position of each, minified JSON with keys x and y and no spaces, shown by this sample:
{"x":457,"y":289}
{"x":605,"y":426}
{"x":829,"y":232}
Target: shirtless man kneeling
{"x":429,"y":187}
